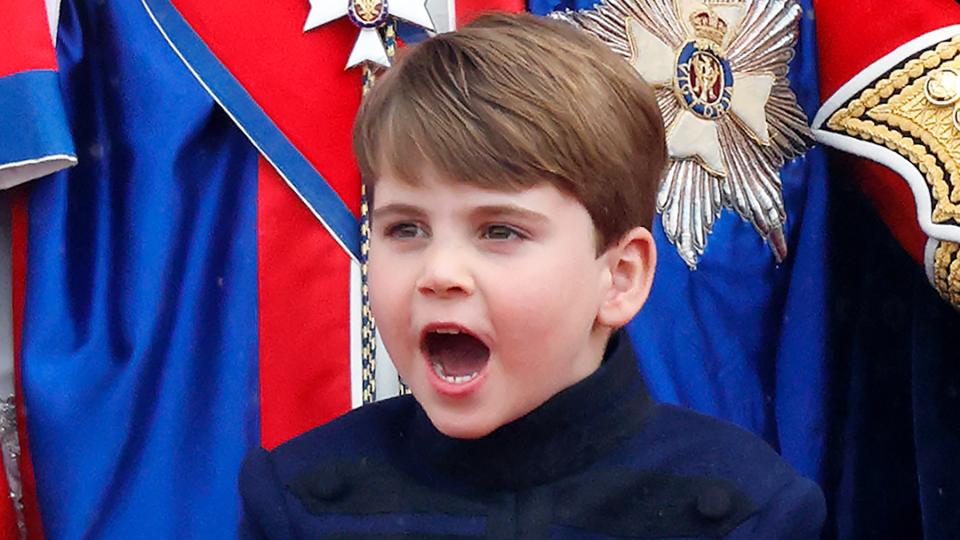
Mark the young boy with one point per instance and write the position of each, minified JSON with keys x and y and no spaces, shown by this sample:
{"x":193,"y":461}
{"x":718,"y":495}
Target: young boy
{"x":514,"y":166}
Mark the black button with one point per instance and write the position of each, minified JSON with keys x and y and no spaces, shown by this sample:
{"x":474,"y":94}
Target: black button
{"x":714,"y":503}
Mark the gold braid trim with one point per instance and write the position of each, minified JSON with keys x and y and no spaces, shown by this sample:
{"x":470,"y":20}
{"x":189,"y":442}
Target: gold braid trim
{"x":946,"y":272}
{"x":368,"y":327}
{"x":894,"y":112}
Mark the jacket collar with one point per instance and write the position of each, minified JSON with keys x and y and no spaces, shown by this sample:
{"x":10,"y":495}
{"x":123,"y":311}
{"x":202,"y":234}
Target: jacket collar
{"x":564,"y":435}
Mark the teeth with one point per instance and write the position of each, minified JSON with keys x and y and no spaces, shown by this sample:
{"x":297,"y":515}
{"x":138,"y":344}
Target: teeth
{"x":453,"y":379}
{"x":452,"y":331}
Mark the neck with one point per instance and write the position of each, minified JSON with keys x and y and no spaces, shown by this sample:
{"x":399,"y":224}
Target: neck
{"x":566,"y":433}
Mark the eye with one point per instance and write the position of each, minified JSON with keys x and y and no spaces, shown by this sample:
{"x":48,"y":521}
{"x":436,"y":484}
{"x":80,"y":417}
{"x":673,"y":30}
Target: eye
{"x":404,"y":230}
{"x":501,"y":232}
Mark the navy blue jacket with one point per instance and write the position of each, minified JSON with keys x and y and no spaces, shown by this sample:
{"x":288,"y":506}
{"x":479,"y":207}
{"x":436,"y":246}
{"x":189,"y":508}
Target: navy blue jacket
{"x":599,"y":460}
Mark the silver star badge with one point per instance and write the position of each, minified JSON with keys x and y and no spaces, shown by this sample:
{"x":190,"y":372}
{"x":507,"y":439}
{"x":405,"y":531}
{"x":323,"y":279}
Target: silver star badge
{"x":719,"y":70}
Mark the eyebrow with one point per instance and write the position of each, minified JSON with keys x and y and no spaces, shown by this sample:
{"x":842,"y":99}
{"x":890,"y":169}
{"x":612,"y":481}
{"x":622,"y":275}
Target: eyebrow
{"x":492,"y":211}
{"x":509,"y":211}
{"x":397,"y":209}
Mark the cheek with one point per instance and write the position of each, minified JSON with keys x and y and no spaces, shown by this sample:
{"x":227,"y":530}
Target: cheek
{"x":548,"y":299}
{"x":385,"y":278}
{"x":388,"y":300}
{"x":380,"y":290}
{"x":392,"y":281}
{"x":565,"y":281}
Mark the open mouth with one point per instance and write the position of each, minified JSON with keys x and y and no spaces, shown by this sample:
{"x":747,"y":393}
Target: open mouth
{"x":456,"y":356}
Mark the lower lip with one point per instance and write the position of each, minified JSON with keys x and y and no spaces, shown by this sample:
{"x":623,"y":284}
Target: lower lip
{"x":455,"y":389}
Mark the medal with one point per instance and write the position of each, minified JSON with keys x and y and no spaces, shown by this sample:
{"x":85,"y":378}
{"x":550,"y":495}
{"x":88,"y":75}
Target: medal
{"x":369,"y":16}
{"x":719,"y":72}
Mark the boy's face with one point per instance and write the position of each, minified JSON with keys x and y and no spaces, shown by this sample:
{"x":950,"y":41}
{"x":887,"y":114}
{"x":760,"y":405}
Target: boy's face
{"x":486,"y":300}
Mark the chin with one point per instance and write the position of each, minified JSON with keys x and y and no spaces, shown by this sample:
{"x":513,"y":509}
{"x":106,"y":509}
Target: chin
{"x":461,"y":426}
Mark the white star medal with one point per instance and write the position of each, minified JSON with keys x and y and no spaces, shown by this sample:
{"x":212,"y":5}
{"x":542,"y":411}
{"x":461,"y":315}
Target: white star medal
{"x":369,"y":16}
{"x":719,"y":72}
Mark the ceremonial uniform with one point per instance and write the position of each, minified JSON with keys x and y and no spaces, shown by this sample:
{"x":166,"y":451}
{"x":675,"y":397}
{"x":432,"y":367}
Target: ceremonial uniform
{"x":598,"y":460}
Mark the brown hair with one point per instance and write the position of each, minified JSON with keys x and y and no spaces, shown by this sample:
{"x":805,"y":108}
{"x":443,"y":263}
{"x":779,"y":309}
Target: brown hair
{"x":512,"y":100}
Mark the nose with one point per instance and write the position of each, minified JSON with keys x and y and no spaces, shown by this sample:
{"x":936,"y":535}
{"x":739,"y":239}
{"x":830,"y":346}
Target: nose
{"x":445,"y":273}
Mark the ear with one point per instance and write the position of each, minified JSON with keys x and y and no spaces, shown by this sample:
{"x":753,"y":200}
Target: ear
{"x":630,"y":263}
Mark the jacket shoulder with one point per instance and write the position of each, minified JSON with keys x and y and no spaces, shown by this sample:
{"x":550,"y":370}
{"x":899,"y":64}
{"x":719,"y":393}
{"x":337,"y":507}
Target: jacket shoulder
{"x":364,"y":432}
{"x":267,"y":479}
{"x":795,"y":512}
{"x":263,"y":506}
{"x":686,"y":443}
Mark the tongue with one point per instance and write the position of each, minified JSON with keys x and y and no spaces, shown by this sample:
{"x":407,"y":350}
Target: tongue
{"x":457,"y":354}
